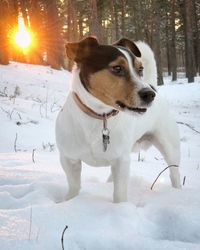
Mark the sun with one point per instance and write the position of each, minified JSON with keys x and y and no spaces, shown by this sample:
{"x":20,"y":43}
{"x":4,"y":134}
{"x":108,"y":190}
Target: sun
{"x":22,"y":37}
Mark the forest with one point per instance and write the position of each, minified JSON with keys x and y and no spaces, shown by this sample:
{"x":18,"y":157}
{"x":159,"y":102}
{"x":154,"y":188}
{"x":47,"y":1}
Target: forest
{"x":35,"y":31}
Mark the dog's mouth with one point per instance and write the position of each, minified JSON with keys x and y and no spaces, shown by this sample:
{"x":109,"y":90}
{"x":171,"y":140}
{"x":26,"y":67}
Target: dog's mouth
{"x":123,"y":107}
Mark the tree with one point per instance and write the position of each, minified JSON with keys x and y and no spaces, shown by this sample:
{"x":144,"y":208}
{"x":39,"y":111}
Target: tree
{"x":187,"y":13}
{"x":94,"y":26}
{"x":53,"y":37}
{"x":115,"y":21}
{"x":168,"y":51}
{"x":123,"y":5}
{"x":37,"y":23}
{"x":196,"y":35}
{"x":173,"y":43}
{"x":156,"y":38}
{"x":72,"y":21}
{"x":4,"y":57}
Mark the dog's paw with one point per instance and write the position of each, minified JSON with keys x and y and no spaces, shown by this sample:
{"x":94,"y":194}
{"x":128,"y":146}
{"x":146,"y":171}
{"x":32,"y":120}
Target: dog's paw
{"x":177,"y":185}
{"x":71,"y":194}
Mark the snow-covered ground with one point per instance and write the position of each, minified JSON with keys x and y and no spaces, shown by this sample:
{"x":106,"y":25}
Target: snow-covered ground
{"x":33,"y":212}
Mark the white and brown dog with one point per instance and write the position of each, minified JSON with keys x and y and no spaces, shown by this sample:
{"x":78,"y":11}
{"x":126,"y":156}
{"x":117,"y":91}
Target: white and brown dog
{"x":111,"y":107}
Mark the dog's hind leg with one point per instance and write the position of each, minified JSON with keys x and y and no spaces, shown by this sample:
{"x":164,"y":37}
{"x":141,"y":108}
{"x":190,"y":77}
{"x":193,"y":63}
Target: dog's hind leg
{"x":73,"y":172}
{"x":167,"y":141}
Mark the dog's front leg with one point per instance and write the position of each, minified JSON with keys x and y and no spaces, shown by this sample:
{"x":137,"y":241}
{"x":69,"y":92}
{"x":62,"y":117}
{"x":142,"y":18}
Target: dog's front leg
{"x":72,"y":170}
{"x":120,"y":173}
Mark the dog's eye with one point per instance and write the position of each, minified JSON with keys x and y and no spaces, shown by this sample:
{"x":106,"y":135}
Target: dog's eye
{"x":140,"y":71}
{"x":118,"y":70}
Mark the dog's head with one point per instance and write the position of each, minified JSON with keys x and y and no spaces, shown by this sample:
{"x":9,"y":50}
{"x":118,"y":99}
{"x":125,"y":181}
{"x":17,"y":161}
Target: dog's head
{"x":112,"y":73}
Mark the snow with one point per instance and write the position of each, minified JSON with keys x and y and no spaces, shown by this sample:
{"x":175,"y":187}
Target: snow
{"x":33,"y":211}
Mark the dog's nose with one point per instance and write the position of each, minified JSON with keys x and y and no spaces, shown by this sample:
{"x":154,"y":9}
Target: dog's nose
{"x":147,"y":95}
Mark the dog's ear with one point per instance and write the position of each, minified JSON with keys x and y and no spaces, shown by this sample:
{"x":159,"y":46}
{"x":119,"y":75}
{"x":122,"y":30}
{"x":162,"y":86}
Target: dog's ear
{"x":124,"y":42}
{"x":81,"y":50}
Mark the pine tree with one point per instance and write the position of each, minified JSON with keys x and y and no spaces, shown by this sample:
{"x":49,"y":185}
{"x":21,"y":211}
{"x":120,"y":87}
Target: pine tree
{"x":156,"y":43}
{"x":187,"y":13}
{"x":53,"y":36}
{"x":173,"y":43}
{"x":4,"y":14}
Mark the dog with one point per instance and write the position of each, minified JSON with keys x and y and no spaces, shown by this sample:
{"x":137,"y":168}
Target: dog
{"x":111,"y":108}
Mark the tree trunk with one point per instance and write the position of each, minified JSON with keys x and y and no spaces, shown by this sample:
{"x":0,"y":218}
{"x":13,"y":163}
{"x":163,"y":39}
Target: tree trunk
{"x":94,"y":26}
{"x":113,"y":31}
{"x":173,"y":43}
{"x":123,"y":18}
{"x":4,"y":57}
{"x":24,"y":6}
{"x":54,"y":41}
{"x":196,"y":38}
{"x":116,"y":20}
{"x":35,"y":55}
{"x":80,"y":25}
{"x":156,"y":39}
{"x":73,"y":28}
{"x":186,"y":7}
{"x":168,"y":47}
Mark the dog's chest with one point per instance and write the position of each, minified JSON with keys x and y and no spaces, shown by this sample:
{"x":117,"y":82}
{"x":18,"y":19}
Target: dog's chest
{"x":82,"y":137}
{"x":115,"y":147}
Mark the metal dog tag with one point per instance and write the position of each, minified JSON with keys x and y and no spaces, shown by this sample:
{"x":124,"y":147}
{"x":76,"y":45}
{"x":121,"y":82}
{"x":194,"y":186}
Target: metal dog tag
{"x":106,"y":138}
{"x":105,"y":134}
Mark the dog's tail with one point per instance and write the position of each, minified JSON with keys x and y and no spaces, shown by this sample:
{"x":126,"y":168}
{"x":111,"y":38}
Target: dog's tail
{"x":149,"y":64}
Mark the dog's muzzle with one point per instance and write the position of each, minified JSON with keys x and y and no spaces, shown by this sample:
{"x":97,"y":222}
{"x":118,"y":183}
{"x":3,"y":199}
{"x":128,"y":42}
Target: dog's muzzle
{"x":147,"y":95}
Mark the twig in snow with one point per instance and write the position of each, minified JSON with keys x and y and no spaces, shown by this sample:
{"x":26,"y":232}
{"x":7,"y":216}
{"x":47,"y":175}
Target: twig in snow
{"x":55,"y":107}
{"x":46,"y":102}
{"x":37,"y":236}
{"x":161,"y":173}
{"x":184,"y":178}
{"x":41,"y":110}
{"x":4,"y":92}
{"x":20,"y":117}
{"x":36,"y":99}
{"x":62,"y":238}
{"x":51,"y":147}
{"x":33,"y":155}
{"x":9,"y":113}
{"x":44,"y":106}
{"x":24,"y":123}
{"x":30,"y":225}
{"x":48,"y":146}
{"x":139,"y":158}
{"x":189,"y":126}
{"x":15,"y":142}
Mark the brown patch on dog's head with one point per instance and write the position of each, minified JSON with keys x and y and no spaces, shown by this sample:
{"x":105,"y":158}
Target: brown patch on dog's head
{"x":114,"y":84}
{"x":138,"y":67}
{"x":81,"y":50}
{"x":106,"y":72}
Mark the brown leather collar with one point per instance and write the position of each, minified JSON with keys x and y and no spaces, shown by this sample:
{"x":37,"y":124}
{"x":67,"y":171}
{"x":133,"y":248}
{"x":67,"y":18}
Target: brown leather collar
{"x":91,"y":112}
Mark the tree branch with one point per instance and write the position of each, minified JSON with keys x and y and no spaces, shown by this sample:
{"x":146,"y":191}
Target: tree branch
{"x":161,"y":173}
{"x":62,"y":238}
